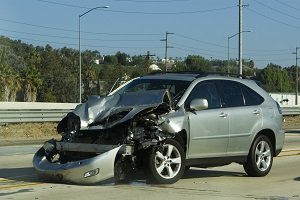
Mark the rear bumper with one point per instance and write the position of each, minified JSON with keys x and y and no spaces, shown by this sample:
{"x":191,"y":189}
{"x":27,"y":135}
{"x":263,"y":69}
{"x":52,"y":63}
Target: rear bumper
{"x":279,"y":141}
{"x":99,"y":169}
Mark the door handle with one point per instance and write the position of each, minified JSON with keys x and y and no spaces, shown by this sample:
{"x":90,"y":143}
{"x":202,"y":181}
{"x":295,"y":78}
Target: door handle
{"x":224,"y":115}
{"x":256,"y":112}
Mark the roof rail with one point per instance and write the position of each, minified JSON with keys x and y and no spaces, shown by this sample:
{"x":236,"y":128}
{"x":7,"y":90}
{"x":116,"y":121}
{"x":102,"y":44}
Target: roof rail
{"x":222,"y":73}
{"x":174,"y":72}
{"x":200,"y":73}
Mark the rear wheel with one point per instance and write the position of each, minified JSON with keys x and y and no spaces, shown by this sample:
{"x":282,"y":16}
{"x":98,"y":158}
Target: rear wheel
{"x":260,"y":158}
{"x":165,"y":164}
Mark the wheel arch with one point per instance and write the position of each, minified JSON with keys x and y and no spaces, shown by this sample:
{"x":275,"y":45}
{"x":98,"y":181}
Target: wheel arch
{"x":270,"y":135}
{"x":181,"y":137}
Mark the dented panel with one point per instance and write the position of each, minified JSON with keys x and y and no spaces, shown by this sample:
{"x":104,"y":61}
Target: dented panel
{"x":97,"y":109}
{"x":105,"y":131}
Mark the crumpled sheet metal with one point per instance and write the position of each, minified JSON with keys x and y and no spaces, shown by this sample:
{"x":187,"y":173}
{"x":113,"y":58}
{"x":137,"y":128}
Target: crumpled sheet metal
{"x":98,"y":108}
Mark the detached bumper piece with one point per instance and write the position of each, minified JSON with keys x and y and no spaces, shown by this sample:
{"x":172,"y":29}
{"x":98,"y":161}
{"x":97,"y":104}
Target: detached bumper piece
{"x":95,"y":170}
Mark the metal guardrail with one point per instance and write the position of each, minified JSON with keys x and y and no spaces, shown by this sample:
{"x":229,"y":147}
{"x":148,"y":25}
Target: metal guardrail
{"x":15,"y":116}
{"x":290,"y":110}
{"x":16,"y":112}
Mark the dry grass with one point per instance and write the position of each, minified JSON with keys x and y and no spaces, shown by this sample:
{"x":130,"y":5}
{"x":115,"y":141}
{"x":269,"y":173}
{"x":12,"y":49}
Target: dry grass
{"x":291,"y":122}
{"x":21,"y":131}
{"x":47,"y":130}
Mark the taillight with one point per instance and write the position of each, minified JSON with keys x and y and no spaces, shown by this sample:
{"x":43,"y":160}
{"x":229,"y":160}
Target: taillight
{"x":279,"y":108}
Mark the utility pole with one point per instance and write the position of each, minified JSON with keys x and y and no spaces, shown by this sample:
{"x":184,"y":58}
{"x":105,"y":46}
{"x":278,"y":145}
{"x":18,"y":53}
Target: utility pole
{"x":166,"y":52}
{"x":148,"y":60}
{"x":240,"y":36}
{"x":296,"y":100}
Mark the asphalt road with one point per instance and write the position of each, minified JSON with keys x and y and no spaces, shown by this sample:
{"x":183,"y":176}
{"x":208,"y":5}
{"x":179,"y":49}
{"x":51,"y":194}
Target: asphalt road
{"x":19,"y":181}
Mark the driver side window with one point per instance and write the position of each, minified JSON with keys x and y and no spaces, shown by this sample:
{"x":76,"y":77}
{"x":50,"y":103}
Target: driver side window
{"x":206,"y":90}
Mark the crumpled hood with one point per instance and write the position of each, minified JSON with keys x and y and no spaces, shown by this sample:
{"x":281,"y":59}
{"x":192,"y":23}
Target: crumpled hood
{"x":98,"y":108}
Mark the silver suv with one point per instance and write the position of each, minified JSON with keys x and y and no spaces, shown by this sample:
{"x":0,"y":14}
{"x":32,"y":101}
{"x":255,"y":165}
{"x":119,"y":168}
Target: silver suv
{"x":164,"y":124}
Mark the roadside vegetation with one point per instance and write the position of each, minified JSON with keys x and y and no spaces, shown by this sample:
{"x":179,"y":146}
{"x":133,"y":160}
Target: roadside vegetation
{"x":34,"y":73}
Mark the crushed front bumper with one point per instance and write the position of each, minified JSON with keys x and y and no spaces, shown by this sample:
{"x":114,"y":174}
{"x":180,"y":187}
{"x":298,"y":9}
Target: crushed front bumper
{"x":99,"y":169}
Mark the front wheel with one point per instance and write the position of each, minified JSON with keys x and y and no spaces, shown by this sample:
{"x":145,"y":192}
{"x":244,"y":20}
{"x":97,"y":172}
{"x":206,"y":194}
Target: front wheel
{"x":165,"y":164}
{"x":260,"y":158}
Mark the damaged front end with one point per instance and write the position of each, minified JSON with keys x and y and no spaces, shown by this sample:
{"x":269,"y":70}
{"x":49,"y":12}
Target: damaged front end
{"x":103,"y":140}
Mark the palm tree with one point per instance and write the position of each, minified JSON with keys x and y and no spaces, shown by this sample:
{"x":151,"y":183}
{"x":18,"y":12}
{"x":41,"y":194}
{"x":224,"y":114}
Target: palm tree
{"x":6,"y":80}
{"x":90,"y":77}
{"x":32,"y":81}
{"x":16,"y":86}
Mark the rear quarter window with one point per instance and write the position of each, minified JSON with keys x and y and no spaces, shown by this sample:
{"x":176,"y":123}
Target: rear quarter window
{"x":255,"y":97}
{"x":237,"y":94}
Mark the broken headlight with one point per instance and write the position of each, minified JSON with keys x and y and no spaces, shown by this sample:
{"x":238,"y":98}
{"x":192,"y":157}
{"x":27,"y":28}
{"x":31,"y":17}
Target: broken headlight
{"x":93,"y":172}
{"x":50,"y":149}
{"x":49,"y":146}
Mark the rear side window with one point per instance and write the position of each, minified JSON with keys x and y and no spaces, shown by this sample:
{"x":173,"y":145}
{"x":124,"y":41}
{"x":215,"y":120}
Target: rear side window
{"x":237,"y":94}
{"x":255,"y":97}
{"x":232,"y":93}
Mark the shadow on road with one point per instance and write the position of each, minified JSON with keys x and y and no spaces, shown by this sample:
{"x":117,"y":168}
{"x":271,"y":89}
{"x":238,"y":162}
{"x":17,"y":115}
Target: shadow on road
{"x":28,"y":175}
{"x":292,"y":131}
{"x":197,"y":173}
{"x":17,"y":174}
{"x":297,"y":179}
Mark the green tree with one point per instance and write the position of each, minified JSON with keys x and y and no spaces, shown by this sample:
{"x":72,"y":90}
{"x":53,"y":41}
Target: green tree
{"x":139,"y":60}
{"x":122,"y":58}
{"x":197,"y":63}
{"x":113,"y":60}
{"x":6,"y":80}
{"x":90,"y":79}
{"x":107,"y":75}
{"x":275,"y":79}
{"x":32,"y":81}
{"x":16,"y":86}
{"x":11,"y":65}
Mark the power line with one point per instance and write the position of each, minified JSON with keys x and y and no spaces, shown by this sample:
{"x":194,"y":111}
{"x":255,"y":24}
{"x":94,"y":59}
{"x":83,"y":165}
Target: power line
{"x":153,"y":1}
{"x":87,"y":39}
{"x":200,"y":41}
{"x":144,"y":13}
{"x":172,"y":13}
{"x":94,"y":46}
{"x":197,"y":52}
{"x":76,"y":31}
{"x":141,"y":40}
{"x":280,"y":22}
{"x":217,"y":45}
{"x":196,"y":48}
{"x":272,"y":60}
{"x":62,"y":4}
{"x":276,"y":10}
{"x":287,"y":5}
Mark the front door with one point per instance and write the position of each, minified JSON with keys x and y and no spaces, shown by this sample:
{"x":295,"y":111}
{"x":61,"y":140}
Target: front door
{"x":209,"y":128}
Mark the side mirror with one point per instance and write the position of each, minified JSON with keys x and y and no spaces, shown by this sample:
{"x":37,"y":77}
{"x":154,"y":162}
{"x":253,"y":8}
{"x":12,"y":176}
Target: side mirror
{"x":199,"y":104}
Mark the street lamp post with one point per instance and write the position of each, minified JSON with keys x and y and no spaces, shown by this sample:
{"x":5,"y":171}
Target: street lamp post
{"x":229,"y":49}
{"x":80,"y":47}
{"x":296,"y":100}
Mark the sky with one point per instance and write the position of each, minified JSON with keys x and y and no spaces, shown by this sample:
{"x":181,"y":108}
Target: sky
{"x":195,"y":27}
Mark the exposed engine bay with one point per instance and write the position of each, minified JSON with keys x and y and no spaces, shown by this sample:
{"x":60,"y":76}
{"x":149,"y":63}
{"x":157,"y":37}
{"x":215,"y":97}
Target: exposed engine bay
{"x":129,"y":122}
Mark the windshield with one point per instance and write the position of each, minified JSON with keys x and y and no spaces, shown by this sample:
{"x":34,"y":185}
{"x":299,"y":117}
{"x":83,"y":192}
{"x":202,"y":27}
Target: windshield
{"x":176,"y":87}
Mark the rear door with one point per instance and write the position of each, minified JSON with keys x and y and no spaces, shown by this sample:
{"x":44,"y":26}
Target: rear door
{"x":244,"y":113}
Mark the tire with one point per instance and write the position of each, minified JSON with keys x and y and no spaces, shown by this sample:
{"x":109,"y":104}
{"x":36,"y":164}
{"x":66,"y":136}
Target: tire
{"x":165,"y":164}
{"x":260,"y":158}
